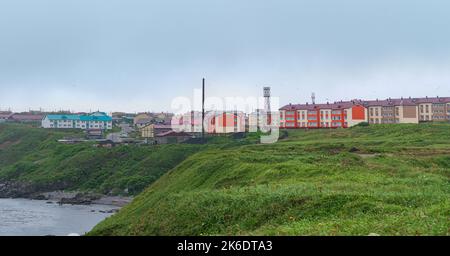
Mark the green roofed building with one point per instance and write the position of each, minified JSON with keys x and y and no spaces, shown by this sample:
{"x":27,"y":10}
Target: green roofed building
{"x":93,"y":121}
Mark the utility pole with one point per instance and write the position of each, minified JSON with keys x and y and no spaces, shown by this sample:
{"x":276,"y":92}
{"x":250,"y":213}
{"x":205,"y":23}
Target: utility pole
{"x":203,"y":108}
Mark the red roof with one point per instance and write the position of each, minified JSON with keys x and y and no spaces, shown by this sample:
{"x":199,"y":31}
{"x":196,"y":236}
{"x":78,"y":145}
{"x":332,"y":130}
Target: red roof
{"x":391,"y":102}
{"x":27,"y":117}
{"x":432,"y":100}
{"x":336,"y":105}
{"x":368,"y":103}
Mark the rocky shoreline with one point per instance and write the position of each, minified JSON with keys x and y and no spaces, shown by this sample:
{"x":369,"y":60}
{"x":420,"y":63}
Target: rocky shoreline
{"x":29,"y":191}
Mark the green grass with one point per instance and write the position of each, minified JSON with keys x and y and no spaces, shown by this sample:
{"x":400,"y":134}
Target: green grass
{"x":33,"y":156}
{"x":386,"y":179}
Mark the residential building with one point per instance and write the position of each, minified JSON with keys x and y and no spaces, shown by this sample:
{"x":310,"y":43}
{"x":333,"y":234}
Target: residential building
{"x":26,"y":117}
{"x":94,"y":133}
{"x":225,"y":122}
{"x":122,"y":117}
{"x":329,"y":115}
{"x":143,"y":119}
{"x":190,"y":122}
{"x":162,"y":118}
{"x":259,"y":119}
{"x":93,"y":121}
{"x":141,"y":116}
{"x":435,"y":109}
{"x":349,"y":113}
{"x":216,"y":122}
{"x":392,"y":111}
{"x":5,"y":115}
{"x":152,"y":130}
{"x":141,"y":123}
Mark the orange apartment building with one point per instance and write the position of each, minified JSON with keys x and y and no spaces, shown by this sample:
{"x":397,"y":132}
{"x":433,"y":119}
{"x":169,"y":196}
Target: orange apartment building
{"x":217,"y":122}
{"x":225,"y":122}
{"x":329,"y":115}
{"x":348,"y":113}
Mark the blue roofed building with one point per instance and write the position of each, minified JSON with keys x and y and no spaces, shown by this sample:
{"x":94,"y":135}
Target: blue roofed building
{"x":93,"y":121}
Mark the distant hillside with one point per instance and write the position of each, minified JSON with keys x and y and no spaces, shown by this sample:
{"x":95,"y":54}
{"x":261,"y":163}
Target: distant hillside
{"x":34,"y":161}
{"x":385,"y":179}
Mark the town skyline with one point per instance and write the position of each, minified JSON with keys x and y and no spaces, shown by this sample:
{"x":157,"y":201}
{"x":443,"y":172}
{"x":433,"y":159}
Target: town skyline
{"x":242,"y":109}
{"x":139,"y":55}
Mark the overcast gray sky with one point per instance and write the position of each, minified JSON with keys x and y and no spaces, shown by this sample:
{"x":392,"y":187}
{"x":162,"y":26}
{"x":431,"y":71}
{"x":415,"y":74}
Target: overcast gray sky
{"x":137,"y":55}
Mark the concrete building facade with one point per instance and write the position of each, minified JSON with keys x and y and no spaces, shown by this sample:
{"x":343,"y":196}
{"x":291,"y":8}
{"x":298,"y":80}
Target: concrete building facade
{"x":349,"y":113}
{"x":97,"y":121}
{"x":392,"y":111}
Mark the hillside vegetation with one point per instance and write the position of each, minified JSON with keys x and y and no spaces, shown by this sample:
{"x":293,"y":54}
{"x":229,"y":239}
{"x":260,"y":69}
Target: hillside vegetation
{"x":34,"y":158}
{"x":384,"y":179}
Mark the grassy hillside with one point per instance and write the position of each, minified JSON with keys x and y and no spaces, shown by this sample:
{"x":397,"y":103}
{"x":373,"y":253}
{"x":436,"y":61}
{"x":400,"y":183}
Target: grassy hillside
{"x":33,"y":156}
{"x":385,"y":179}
